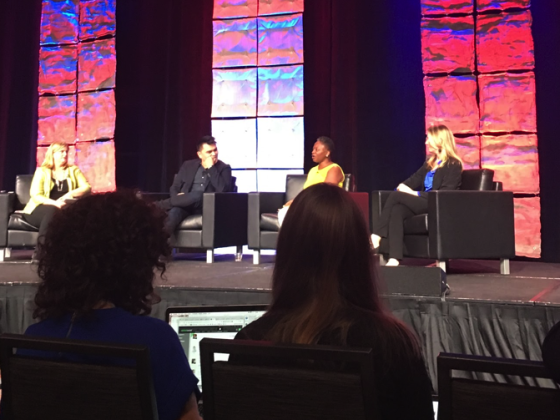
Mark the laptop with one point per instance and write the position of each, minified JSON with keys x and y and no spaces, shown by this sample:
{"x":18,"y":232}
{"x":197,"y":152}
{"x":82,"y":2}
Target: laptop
{"x":193,"y":323}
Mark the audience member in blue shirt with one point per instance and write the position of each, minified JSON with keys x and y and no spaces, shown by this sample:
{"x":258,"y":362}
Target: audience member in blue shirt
{"x":441,"y":171}
{"x":97,"y":264}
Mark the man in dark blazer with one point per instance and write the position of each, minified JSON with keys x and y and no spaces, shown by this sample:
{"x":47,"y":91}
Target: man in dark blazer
{"x":196,"y":176}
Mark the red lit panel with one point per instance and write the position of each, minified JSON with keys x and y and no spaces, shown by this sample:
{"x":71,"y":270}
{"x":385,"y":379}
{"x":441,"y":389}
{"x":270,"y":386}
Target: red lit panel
{"x":451,"y":101}
{"x":42,"y":151}
{"x":527,"y":227}
{"x":57,"y":69}
{"x":281,"y":40}
{"x":448,"y":44}
{"x":483,"y":5}
{"x":59,"y":22}
{"x":504,"y":42}
{"x":235,"y":43}
{"x":235,"y":8}
{"x":444,"y":7}
{"x":57,"y":119}
{"x":96,"y":115}
{"x":234,"y":93}
{"x":97,"y":161}
{"x":515,"y":160}
{"x":507,"y":102}
{"x":469,"y":151}
{"x":97,"y":65}
{"x":97,"y":18}
{"x":272,"y":7}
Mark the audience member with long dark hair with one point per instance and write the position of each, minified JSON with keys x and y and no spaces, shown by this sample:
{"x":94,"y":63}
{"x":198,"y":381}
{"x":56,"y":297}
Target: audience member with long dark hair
{"x":97,"y":265}
{"x":441,"y":171}
{"x":325,"y":291}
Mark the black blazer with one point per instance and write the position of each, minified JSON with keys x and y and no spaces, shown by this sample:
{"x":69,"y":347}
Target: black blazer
{"x":220,"y":177}
{"x":447,"y":177}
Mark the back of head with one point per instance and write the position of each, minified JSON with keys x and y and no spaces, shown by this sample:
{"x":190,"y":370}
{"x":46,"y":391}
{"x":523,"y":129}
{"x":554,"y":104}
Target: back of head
{"x":445,"y":141}
{"x":103,"y":248}
{"x":327,"y":142}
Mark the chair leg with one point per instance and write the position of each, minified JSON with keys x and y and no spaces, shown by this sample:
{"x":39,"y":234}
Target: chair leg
{"x":442,"y":264}
{"x":256,"y":256}
{"x":504,"y":266}
{"x":238,"y":253}
{"x":209,"y":256}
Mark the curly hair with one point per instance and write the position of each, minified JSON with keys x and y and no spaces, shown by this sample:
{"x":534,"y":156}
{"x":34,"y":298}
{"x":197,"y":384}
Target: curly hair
{"x":103,"y":248}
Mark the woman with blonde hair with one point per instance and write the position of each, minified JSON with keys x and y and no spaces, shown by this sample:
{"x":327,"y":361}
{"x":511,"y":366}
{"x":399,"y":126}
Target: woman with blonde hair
{"x":441,"y":171}
{"x":54,"y":182}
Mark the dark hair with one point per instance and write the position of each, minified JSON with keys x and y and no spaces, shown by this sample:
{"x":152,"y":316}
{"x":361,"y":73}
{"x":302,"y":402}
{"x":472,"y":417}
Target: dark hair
{"x":209,"y":140}
{"x":325,"y":275}
{"x":327,"y":142}
{"x":104,"y":247}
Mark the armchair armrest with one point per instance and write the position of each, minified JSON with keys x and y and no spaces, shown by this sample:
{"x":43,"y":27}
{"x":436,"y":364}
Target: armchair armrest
{"x":471,"y":224}
{"x":7,"y":202}
{"x":224,"y":219}
{"x":259,"y":203}
{"x":378,"y":199}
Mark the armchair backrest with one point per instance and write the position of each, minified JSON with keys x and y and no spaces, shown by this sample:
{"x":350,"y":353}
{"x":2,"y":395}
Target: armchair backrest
{"x":23,"y":186}
{"x":478,"y":180}
{"x":34,"y":386}
{"x":265,"y":380}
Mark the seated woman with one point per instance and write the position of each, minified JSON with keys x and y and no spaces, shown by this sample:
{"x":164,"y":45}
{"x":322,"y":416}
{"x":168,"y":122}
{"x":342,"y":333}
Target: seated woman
{"x":97,"y":265}
{"x":325,"y":291}
{"x":325,"y":171}
{"x":441,"y":171}
{"x":54,"y":182}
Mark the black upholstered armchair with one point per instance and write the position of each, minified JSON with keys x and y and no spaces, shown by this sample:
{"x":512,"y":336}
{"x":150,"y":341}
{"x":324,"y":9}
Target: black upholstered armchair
{"x":14,"y":231}
{"x":263,"y":213}
{"x":475,"y":222}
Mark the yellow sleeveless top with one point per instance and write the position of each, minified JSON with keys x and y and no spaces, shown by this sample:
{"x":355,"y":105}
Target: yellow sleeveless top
{"x":316,"y":175}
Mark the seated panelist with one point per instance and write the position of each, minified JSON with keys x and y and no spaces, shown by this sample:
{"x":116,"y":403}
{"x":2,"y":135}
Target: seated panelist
{"x":196,"y":176}
{"x":441,"y":171}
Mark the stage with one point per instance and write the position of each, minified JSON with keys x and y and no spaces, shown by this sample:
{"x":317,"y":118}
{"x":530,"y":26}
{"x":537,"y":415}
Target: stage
{"x":485,"y":313}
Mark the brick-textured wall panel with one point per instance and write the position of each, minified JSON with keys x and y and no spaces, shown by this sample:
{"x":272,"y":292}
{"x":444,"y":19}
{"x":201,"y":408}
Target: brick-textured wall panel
{"x":515,"y":160}
{"x":234,"y":93}
{"x":448,"y":44}
{"x":280,"y":40}
{"x":97,"y":65}
{"x":483,"y":5}
{"x":528,"y":227}
{"x":235,"y":43}
{"x":59,"y":22}
{"x":504,"y":42}
{"x":97,"y":162}
{"x":57,"y":69}
{"x":96,"y":115}
{"x":57,"y":119}
{"x":452,"y":101}
{"x":235,"y":8}
{"x":445,"y":7}
{"x":272,"y":7}
{"x":97,"y":18}
{"x":507,"y":102}
{"x":280,"y":91}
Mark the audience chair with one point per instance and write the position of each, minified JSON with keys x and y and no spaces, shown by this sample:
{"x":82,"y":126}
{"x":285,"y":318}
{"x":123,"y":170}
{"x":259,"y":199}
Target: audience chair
{"x":474,"y":222}
{"x":41,"y":388}
{"x":263,"y":213}
{"x":14,"y":231}
{"x":462,"y":399}
{"x":288,"y":388}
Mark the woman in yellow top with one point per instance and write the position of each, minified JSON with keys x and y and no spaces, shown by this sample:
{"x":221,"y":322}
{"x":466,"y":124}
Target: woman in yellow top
{"x":54,"y":182}
{"x":326,"y":170}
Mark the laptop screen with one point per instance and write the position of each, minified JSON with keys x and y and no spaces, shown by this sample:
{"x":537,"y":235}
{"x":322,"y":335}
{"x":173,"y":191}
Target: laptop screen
{"x":192,"y":324}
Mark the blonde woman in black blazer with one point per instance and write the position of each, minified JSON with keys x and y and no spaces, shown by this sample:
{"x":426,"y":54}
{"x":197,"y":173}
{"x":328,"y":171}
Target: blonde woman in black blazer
{"x":441,"y":171}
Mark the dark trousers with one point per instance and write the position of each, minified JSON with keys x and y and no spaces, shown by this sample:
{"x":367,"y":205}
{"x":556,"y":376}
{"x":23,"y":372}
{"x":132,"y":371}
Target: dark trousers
{"x":398,"y":207}
{"x":41,"y":217}
{"x":179,"y":208}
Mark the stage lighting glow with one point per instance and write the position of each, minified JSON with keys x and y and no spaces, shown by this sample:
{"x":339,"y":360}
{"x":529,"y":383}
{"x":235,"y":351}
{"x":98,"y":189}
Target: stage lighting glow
{"x":271,"y":7}
{"x":237,"y":141}
{"x":97,"y":65}
{"x":280,"y":142}
{"x":281,"y":40}
{"x":59,"y":22}
{"x":527,"y":226}
{"x":57,"y":69}
{"x":234,"y":93}
{"x":235,"y":8}
{"x":96,"y":115}
{"x":445,"y":7}
{"x":235,"y":43}
{"x":97,"y":18}
{"x":280,"y":91}
{"x":97,"y":161}
{"x":57,"y":119}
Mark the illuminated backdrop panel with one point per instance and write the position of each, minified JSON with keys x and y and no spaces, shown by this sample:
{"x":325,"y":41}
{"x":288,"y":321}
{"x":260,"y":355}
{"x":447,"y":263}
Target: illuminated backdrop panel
{"x":235,"y":43}
{"x":271,"y":7}
{"x":484,"y":5}
{"x":445,"y":7}
{"x":59,"y":22}
{"x":235,"y":8}
{"x":281,"y":40}
{"x":97,"y":19}
{"x":57,"y":119}
{"x":57,"y":69}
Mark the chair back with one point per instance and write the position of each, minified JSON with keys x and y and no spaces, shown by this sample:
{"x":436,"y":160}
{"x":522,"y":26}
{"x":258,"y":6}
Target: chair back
{"x":348,"y":184}
{"x":266,"y":381}
{"x":39,"y":387}
{"x":461,"y":398}
{"x":233,"y":184}
{"x":294,"y":185}
{"x":478,"y":180}
{"x":23,"y":187}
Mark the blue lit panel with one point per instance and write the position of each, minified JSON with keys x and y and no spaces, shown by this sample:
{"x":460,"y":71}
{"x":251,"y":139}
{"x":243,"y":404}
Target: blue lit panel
{"x":234,"y":93}
{"x":237,"y":142}
{"x":274,"y":180}
{"x":235,"y":8}
{"x":246,"y":180}
{"x":280,"y":142}
{"x":97,"y":65}
{"x":57,"y":119}
{"x":57,"y":69}
{"x":235,"y":43}
{"x":97,"y":18}
{"x":280,"y":91}
{"x":274,"y":7}
{"x":59,"y":22}
{"x":281,"y":40}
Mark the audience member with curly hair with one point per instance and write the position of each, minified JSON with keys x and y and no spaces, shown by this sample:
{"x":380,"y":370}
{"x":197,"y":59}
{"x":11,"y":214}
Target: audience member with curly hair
{"x":97,"y":265}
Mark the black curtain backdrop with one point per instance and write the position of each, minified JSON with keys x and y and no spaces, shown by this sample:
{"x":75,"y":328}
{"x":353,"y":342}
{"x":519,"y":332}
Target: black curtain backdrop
{"x":19,"y":78}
